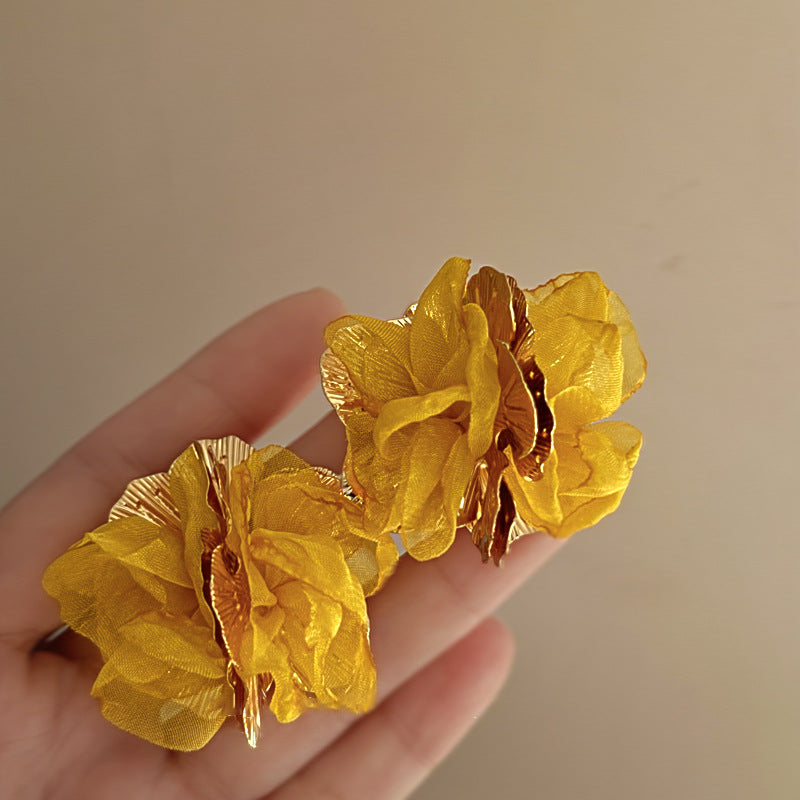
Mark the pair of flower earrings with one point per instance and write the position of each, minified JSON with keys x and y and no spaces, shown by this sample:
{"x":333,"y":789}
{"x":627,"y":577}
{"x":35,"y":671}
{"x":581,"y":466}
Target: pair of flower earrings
{"x":237,"y":581}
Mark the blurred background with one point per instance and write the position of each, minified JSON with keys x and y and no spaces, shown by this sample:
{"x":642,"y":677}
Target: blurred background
{"x":167,"y":168}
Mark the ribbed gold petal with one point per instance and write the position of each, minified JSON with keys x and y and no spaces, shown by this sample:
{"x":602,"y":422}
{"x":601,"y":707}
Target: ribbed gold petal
{"x":490,"y":290}
{"x":228,"y":451}
{"x":496,"y":510}
{"x":516,"y":413}
{"x":219,"y":457}
{"x":257,"y":694}
{"x":149,"y":498}
{"x":336,"y":383}
{"x":230,"y":599}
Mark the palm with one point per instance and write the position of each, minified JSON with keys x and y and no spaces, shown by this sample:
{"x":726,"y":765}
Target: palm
{"x":440,"y":660}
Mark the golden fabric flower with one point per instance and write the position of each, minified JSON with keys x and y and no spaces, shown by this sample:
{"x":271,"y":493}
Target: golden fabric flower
{"x":476,"y":408}
{"x":236,"y":579}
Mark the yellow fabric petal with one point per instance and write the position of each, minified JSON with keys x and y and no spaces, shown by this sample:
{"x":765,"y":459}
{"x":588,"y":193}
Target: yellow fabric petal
{"x":405,"y":489}
{"x":376,"y":355}
{"x":363,"y":469}
{"x":456,"y":474}
{"x":583,"y":481}
{"x":309,"y":631}
{"x":188,"y":483}
{"x":437,"y":329}
{"x":482,"y":380}
{"x":405,"y":411}
{"x":632,"y":355}
{"x":536,"y":502}
{"x":315,"y":560}
{"x":165,"y":682}
{"x":164,"y":676}
{"x":372,"y":559}
{"x":145,"y":546}
{"x":584,"y":337}
{"x":423,"y":522}
{"x":578,"y":294}
{"x":574,"y":407}
{"x":170,"y":642}
{"x":184,"y":722}
{"x":294,"y":502}
{"x":572,"y":351}
{"x":98,"y":594}
{"x":273,"y":459}
{"x":288,"y":698}
{"x":349,"y":670}
{"x":317,"y":592}
{"x":298,"y":501}
{"x":260,"y":642}
{"x":350,"y":677}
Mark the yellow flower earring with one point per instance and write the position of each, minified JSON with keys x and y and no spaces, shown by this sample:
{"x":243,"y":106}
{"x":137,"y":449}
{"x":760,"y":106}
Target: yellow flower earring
{"x":476,"y":409}
{"x":235,"y":581}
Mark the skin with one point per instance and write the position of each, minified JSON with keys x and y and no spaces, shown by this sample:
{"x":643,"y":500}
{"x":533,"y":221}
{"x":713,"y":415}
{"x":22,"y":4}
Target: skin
{"x":441,"y":656}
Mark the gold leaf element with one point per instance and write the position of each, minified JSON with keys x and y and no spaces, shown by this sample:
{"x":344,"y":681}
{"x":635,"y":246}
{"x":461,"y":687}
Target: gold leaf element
{"x":150,"y":499}
{"x":230,"y":599}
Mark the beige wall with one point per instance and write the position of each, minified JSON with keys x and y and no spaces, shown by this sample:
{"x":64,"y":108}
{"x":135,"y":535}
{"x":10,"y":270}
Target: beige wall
{"x":168,"y":167}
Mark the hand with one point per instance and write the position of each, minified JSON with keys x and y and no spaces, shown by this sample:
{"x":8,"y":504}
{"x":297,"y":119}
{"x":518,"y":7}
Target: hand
{"x":440,"y":655}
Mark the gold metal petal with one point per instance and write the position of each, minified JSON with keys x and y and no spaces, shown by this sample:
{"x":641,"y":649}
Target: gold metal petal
{"x":519,"y":305}
{"x":219,"y":457}
{"x":336,"y":383}
{"x":249,"y":697}
{"x":531,"y":465}
{"x":516,"y":421}
{"x":257,"y":694}
{"x":518,"y":529}
{"x":349,"y":492}
{"x":490,"y":289}
{"x":329,"y":479}
{"x":471,"y":504}
{"x":229,"y":451}
{"x":490,"y":532}
{"x":149,"y":498}
{"x":406,"y":318}
{"x":523,"y":409}
{"x":230,"y":600}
